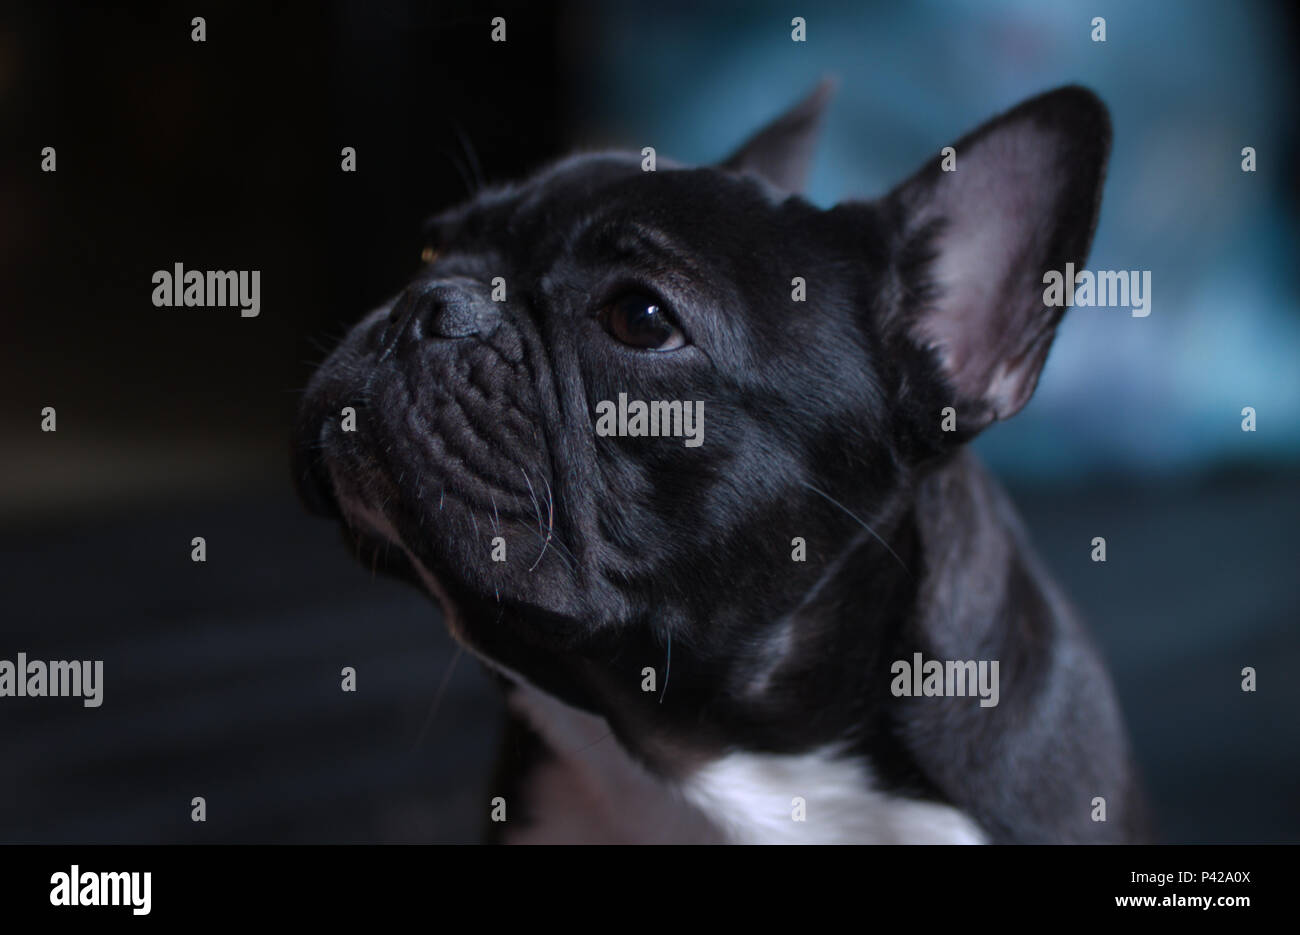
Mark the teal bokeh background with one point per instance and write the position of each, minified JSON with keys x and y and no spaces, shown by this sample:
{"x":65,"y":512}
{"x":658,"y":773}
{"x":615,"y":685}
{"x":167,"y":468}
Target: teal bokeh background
{"x":1188,"y":84}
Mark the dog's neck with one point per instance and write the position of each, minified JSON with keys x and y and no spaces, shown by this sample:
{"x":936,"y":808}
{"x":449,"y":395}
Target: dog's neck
{"x":949,"y":569}
{"x":814,"y":674}
{"x":933,"y":577}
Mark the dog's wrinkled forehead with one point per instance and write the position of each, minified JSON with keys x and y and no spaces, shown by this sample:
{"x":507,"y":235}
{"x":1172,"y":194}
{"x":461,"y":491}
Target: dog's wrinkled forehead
{"x":719,"y":247}
{"x":536,"y":206}
{"x":604,"y":201}
{"x":535,"y":220}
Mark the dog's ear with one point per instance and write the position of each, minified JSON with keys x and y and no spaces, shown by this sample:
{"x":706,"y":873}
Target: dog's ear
{"x":1021,"y":198}
{"x":781,"y":153}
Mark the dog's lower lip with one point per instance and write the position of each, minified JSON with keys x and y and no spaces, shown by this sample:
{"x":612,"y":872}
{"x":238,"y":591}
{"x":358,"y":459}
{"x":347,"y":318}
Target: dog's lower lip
{"x":311,"y":476}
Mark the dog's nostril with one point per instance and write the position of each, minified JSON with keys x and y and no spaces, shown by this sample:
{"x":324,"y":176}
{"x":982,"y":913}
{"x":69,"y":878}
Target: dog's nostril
{"x":450,"y":316}
{"x":486,"y":318}
{"x":441,"y":310}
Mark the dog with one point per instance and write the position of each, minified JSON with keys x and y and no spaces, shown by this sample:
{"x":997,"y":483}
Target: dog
{"x":711,"y":642}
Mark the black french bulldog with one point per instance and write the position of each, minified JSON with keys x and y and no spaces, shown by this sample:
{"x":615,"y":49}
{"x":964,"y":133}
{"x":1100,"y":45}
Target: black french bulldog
{"x":710,"y":642}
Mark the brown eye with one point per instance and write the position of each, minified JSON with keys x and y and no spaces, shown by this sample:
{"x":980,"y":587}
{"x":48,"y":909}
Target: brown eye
{"x":639,"y":321}
{"x":428,"y":255}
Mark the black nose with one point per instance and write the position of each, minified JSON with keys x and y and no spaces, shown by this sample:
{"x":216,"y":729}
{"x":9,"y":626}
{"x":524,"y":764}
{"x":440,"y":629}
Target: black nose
{"x":441,"y":309}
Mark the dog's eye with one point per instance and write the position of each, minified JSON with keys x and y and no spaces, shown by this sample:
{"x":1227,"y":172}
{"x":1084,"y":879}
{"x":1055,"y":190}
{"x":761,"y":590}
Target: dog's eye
{"x":639,"y":321}
{"x":428,"y":254}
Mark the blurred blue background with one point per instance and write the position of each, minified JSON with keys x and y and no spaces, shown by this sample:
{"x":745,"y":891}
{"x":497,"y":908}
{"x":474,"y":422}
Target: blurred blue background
{"x":1188,"y":84}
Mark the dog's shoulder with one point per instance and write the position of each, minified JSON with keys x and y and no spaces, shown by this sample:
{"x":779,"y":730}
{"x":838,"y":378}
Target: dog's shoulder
{"x":1033,"y":768}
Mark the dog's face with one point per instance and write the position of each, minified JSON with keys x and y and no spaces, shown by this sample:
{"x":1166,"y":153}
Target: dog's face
{"x":823,"y":345}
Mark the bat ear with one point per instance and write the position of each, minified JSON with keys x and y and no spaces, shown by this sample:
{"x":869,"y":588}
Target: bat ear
{"x":781,"y":153}
{"x":980,"y":226}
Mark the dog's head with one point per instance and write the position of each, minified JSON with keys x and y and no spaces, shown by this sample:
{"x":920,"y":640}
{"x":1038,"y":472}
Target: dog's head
{"x":459,"y":422}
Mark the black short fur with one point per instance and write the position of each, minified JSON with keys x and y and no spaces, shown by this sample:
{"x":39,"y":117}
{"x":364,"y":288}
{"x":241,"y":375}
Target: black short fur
{"x":822,"y":418}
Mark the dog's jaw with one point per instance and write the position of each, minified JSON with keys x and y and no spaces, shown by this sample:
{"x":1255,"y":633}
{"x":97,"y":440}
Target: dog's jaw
{"x":365,"y":520}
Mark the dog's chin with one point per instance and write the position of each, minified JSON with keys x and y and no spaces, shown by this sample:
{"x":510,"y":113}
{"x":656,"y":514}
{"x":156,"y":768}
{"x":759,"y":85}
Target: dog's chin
{"x":474,"y":616}
{"x":374,"y":534}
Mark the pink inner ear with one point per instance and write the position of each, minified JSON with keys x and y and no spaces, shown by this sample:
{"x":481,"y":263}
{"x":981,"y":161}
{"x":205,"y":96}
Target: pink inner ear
{"x":999,"y":211}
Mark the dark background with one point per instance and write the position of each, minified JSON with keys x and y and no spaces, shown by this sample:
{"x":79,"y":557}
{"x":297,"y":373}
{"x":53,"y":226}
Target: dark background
{"x":222,"y":679}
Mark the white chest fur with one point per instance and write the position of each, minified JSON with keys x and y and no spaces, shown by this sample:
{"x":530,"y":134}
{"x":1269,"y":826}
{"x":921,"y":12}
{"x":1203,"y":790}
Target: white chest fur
{"x":819,"y":797}
{"x":593,"y":792}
